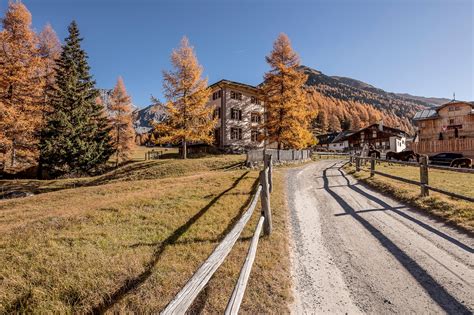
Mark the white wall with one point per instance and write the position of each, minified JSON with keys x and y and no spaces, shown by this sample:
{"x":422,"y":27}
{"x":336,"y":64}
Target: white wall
{"x":397,"y":144}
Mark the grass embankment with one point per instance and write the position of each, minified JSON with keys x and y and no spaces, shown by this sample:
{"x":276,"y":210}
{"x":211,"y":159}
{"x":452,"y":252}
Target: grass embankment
{"x":133,"y":171}
{"x":454,"y":211}
{"x":131,"y":243}
{"x":138,"y":154}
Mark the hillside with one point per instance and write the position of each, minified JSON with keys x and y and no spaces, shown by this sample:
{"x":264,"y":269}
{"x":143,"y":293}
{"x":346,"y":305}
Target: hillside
{"x":342,"y":103}
{"x":404,"y":97}
{"x":345,"y":103}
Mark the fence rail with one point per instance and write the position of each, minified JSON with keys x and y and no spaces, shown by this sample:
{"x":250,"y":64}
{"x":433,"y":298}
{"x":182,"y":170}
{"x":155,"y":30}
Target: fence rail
{"x":424,"y":174}
{"x":255,"y":156}
{"x":417,"y":164}
{"x":185,"y":297}
{"x":466,"y":146}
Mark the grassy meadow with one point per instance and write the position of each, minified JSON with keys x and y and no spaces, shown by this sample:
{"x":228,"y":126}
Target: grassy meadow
{"x":151,"y":169}
{"x":127,"y":241}
{"x":451,"y":210}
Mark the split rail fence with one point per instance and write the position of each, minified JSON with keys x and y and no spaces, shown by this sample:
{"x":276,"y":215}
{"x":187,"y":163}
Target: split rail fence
{"x":424,"y":167}
{"x":256,"y":156}
{"x":185,"y":297}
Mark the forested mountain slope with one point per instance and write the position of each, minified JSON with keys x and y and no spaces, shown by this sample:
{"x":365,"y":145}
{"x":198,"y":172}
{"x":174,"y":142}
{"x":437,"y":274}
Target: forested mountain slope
{"x":345,"y":103}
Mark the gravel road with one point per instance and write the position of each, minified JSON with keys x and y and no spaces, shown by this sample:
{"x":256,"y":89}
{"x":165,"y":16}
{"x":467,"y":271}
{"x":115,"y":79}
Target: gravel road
{"x":356,"y":251}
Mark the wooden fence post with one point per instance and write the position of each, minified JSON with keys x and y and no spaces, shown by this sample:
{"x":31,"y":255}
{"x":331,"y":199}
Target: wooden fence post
{"x":424,"y":176}
{"x":357,"y":163}
{"x":372,"y":165}
{"x":265,"y":201}
{"x":268,"y":164}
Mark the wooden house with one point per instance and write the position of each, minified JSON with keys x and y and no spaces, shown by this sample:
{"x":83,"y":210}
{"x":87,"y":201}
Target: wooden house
{"x":447,"y":128}
{"x":381,"y":137}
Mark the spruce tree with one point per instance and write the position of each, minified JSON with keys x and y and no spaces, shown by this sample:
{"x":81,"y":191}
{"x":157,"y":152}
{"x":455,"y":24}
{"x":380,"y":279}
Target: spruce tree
{"x":76,"y":138}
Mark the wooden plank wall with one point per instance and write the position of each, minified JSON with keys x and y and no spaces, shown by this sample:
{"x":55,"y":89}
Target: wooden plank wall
{"x":464,"y":146}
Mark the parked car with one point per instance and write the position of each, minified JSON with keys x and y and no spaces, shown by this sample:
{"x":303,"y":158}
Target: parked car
{"x":444,"y":159}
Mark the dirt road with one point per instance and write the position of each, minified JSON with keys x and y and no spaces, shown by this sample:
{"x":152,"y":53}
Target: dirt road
{"x":356,"y":251}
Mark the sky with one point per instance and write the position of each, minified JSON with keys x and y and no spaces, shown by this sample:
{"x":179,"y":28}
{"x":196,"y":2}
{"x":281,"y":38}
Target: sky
{"x":421,"y":47}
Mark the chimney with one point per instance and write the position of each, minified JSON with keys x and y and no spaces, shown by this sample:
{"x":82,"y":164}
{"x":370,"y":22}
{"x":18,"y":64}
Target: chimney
{"x":381,"y":125}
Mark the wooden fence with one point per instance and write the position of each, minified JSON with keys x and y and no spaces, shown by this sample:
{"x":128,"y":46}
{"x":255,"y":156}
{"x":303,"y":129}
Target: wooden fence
{"x":424,"y":174}
{"x":186,"y":296}
{"x":153,"y":155}
{"x":256,"y":156}
{"x":465,"y":146}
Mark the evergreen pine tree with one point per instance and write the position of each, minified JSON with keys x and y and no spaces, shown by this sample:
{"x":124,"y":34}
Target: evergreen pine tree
{"x":76,"y":138}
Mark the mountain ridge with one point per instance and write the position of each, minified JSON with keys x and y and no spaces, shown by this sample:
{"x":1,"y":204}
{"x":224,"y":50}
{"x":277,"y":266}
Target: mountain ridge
{"x":351,"y":94}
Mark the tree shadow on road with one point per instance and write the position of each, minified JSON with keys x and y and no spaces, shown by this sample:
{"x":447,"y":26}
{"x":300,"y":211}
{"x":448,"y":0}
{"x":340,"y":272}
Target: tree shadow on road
{"x":442,"y":297}
{"x":406,"y":216}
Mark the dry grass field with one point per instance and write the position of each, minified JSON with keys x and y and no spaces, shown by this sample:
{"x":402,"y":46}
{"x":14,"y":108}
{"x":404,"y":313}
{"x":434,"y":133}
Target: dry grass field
{"x":138,"y":154}
{"x":457,"y":212}
{"x":129,"y":240}
{"x":134,"y":171}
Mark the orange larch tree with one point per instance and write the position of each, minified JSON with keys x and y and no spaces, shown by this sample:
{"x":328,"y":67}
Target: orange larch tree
{"x":49,"y":51}
{"x":188,"y":117}
{"x":288,"y":112}
{"x":21,"y":87}
{"x":121,"y":120}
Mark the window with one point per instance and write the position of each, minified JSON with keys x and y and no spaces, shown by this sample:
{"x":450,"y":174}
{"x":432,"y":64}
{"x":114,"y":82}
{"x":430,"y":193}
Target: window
{"x":236,"y":133}
{"x":454,"y":108}
{"x":254,"y":135}
{"x":217,"y":113}
{"x":451,"y":121}
{"x":216,"y":95}
{"x":236,"y":114}
{"x":374,"y":134}
{"x":236,"y":95}
{"x":254,"y":100}
{"x":255,"y":117}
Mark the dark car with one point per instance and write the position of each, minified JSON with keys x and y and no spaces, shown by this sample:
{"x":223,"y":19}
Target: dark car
{"x":444,"y":159}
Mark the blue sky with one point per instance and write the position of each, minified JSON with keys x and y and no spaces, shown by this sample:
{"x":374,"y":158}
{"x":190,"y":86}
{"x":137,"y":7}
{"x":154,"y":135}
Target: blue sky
{"x":422,"y":47}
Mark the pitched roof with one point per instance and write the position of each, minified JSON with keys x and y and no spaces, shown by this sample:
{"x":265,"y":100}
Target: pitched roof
{"x":234,"y":83}
{"x":385,"y":129}
{"x":425,"y":114}
{"x":433,"y":112}
{"x":342,"y":135}
{"x":326,"y":138}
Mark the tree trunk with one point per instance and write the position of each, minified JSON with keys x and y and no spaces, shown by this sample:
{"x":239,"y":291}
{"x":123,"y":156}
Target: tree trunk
{"x":278,"y":151}
{"x":39,"y":170}
{"x":13,"y":153}
{"x":118,"y":141}
{"x":185,"y":149}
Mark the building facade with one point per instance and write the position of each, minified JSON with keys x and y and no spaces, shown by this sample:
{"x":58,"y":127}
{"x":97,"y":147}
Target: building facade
{"x":381,"y":137}
{"x":240,"y":114}
{"x":449,"y":121}
{"x":447,"y":128}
